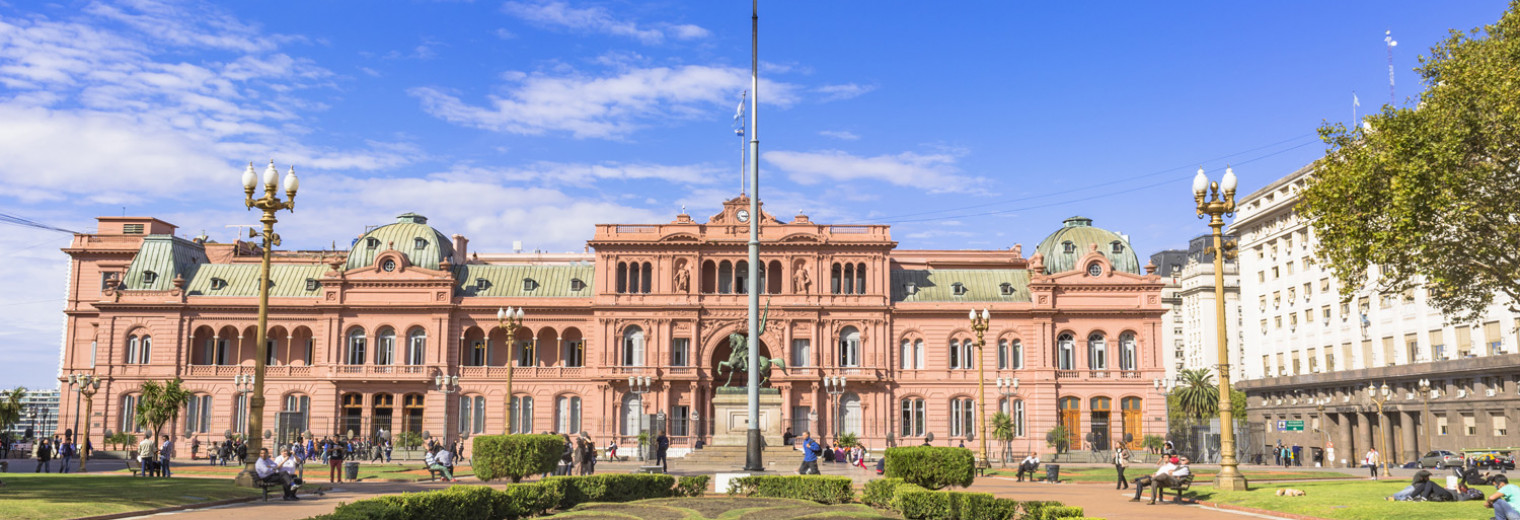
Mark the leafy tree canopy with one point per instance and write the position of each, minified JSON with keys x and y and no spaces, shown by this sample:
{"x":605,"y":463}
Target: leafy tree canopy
{"x":1427,"y":195}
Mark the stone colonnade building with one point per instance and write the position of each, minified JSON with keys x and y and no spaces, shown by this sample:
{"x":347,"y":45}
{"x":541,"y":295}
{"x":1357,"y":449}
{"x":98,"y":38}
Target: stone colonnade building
{"x":358,"y":338}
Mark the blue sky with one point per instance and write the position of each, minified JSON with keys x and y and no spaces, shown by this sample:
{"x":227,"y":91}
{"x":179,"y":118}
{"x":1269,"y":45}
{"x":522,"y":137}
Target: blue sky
{"x":976,"y":126}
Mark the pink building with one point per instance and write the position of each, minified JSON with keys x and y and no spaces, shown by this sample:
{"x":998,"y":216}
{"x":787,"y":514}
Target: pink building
{"x":358,"y":338}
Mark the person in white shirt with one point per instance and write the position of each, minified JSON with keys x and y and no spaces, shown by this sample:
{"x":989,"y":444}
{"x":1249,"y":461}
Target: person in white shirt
{"x":269,"y":472}
{"x":1156,"y":480}
{"x":1029,"y":465}
{"x":442,"y":461}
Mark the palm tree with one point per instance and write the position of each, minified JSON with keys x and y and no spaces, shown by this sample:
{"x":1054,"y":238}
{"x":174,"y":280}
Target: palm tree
{"x":1002,"y":430}
{"x":159,"y":404}
{"x":10,"y":406}
{"x":1197,"y":397}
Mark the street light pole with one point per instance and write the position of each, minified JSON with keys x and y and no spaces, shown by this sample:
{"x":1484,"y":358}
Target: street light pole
{"x":509,"y":321}
{"x":1425,"y":394}
{"x":979,"y":324}
{"x":1210,"y":203}
{"x":1379,"y":396}
{"x":243,"y":385}
{"x":448,"y":385}
{"x":1008,"y":387}
{"x":88,"y":384}
{"x":270,"y":204}
{"x":834,"y":385}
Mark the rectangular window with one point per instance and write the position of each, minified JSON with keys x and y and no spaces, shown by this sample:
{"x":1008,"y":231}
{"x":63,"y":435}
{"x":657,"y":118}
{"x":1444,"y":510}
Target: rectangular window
{"x":1297,"y":369}
{"x":1390,"y":355}
{"x":1438,"y":344}
{"x":1501,"y":425}
{"x":680,"y":421}
{"x":1261,"y":276}
{"x":1329,"y":360}
{"x":680,"y":352}
{"x":569,"y":420}
{"x":1313,"y":360}
{"x":1290,"y":267}
{"x":1464,"y":342}
{"x":1492,"y":339}
{"x":1412,"y":347}
{"x":1469,"y":424}
{"x":575,"y":353}
{"x":800,"y":420}
{"x":1441,"y":426}
{"x":801,"y":353}
{"x":1324,"y":285}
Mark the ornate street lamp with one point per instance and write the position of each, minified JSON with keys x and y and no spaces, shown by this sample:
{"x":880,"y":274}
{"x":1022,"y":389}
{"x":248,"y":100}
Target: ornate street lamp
{"x":1210,"y":203}
{"x":1425,"y":394}
{"x":834,"y":385}
{"x":243,"y":385}
{"x":979,"y":324}
{"x":1008,"y":387}
{"x":448,"y":385}
{"x":509,"y":320}
{"x":87,"y":385}
{"x":270,"y":204}
{"x":1379,"y":395}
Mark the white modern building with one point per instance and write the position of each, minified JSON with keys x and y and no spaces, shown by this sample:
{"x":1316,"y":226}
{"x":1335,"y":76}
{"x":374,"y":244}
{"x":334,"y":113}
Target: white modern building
{"x":1311,"y":357}
{"x":39,"y":410}
{"x":1190,"y":325}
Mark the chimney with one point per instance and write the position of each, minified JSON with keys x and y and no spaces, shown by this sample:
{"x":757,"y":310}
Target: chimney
{"x":461,"y":244}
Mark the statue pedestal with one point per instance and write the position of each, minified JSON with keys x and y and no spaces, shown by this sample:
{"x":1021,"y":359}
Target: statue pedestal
{"x":731,"y":414}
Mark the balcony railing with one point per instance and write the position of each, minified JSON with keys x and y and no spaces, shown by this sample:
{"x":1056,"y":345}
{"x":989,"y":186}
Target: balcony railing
{"x":1068,"y":374}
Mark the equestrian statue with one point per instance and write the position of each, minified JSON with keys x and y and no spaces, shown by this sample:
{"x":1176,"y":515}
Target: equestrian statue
{"x":738,"y":361}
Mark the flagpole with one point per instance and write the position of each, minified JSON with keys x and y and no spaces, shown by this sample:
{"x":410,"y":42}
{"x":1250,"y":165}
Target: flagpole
{"x":752,"y":460}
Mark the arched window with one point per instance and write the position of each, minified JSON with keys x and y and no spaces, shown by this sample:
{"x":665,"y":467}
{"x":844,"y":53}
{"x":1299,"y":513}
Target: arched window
{"x":709,"y":277}
{"x":849,"y":347}
{"x":416,"y":346}
{"x":906,"y":354}
{"x":834,"y":282}
{"x":850,"y":418}
{"x":633,"y":347}
{"x":646,"y":277}
{"x":1097,"y":351}
{"x":622,"y":277}
{"x":860,"y":278}
{"x":849,"y":278}
{"x":132,"y":347}
{"x":1066,"y":346}
{"x":411,"y":413}
{"x":1018,"y":418}
{"x":1132,"y":426}
{"x":955,"y":354}
{"x":633,"y":277}
{"x":741,"y":277}
{"x":198,"y":413}
{"x":567,"y":414}
{"x":1127,"y":355}
{"x":271,"y":351}
{"x":385,"y":346}
{"x":1016,"y":355}
{"x":968,"y":354}
{"x":776,"y":275}
{"x":1002,"y":354}
{"x":632,"y":409}
{"x":725,"y":277}
{"x":918,"y":353}
{"x":912,"y":417}
{"x":472,"y":414}
{"x":962,"y":416}
{"x":1071,"y":417}
{"x":129,"y":414}
{"x":356,"y":346}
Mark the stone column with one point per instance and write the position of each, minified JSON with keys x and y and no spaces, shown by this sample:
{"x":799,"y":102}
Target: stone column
{"x":1365,"y":434}
{"x":1344,"y":447}
{"x":1408,"y":423}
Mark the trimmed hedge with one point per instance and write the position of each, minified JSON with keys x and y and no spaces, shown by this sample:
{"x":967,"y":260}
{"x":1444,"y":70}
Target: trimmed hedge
{"x":931,"y":467}
{"x":693,"y":486}
{"x":1053,"y":512}
{"x":1035,"y":509}
{"x":516,"y":456}
{"x":817,"y":488}
{"x":878,"y":493}
{"x":917,"y":503}
{"x":610,"y":488}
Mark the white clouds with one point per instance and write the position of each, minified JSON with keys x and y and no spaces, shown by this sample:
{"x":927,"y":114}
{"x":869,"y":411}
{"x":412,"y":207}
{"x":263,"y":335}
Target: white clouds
{"x":603,"y":107}
{"x":843,"y":91}
{"x":551,"y":173}
{"x":560,"y":15}
{"x":936,"y":173}
{"x":845,"y":135}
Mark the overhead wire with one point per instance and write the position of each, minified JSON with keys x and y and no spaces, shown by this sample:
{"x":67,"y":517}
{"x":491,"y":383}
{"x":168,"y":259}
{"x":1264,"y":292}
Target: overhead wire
{"x":26,"y":222}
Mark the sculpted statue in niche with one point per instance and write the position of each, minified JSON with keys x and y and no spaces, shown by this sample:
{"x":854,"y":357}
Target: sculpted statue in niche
{"x":800,"y":280}
{"x":683,"y":277}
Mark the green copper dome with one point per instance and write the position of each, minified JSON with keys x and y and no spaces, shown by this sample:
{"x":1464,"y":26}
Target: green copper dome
{"x":423,"y":246}
{"x":1076,"y":237}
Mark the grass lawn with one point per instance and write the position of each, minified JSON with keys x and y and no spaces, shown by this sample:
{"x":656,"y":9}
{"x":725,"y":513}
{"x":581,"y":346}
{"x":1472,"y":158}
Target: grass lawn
{"x":1106,"y":474}
{"x":1350,"y":500}
{"x":404,"y":472}
{"x":27,"y":496}
{"x":722,"y":508}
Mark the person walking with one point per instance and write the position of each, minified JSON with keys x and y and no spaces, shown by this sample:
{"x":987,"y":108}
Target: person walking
{"x":1371,"y":460}
{"x":195,"y":448}
{"x":335,"y":458}
{"x":165,"y":452}
{"x":66,"y":453}
{"x":661,"y":447}
{"x":1121,"y":461}
{"x":810,"y":451}
{"x":44,"y":457}
{"x":588,"y":455}
{"x":388,"y":448}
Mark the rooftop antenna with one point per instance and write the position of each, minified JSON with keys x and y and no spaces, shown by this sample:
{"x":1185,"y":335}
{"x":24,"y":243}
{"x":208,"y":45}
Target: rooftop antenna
{"x":739,"y":131}
{"x":238,"y":235}
{"x":1388,"y":39}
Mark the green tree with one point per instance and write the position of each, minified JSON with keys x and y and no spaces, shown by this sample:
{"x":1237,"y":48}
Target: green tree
{"x":1196,"y":400}
{"x":1002,"y":431}
{"x":10,"y":406}
{"x":1058,"y":438}
{"x":159,"y":404}
{"x":1427,"y":194}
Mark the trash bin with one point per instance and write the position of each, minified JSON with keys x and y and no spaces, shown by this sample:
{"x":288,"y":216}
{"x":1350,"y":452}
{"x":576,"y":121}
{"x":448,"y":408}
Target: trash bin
{"x":351,"y":470}
{"x":1052,"y":472}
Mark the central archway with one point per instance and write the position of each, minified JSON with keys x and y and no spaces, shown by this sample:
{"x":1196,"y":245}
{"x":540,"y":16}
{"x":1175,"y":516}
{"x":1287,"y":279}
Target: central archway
{"x":721,"y":352}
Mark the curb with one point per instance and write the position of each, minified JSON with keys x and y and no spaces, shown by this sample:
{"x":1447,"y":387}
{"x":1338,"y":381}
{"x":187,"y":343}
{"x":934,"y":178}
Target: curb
{"x":145,"y":512}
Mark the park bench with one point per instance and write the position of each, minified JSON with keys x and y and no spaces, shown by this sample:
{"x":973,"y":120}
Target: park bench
{"x":133,"y":465}
{"x":982,"y":466}
{"x":1181,"y":486}
{"x":433,"y":474}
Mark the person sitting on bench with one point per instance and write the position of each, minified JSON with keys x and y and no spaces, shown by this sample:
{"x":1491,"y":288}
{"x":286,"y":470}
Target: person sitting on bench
{"x":1169,"y":473}
{"x":290,"y":466}
{"x":442,"y":461}
{"x":1028,"y":466}
{"x":269,"y":473}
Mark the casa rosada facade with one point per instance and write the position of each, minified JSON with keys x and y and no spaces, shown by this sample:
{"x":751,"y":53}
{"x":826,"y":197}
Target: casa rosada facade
{"x":358,"y":338}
